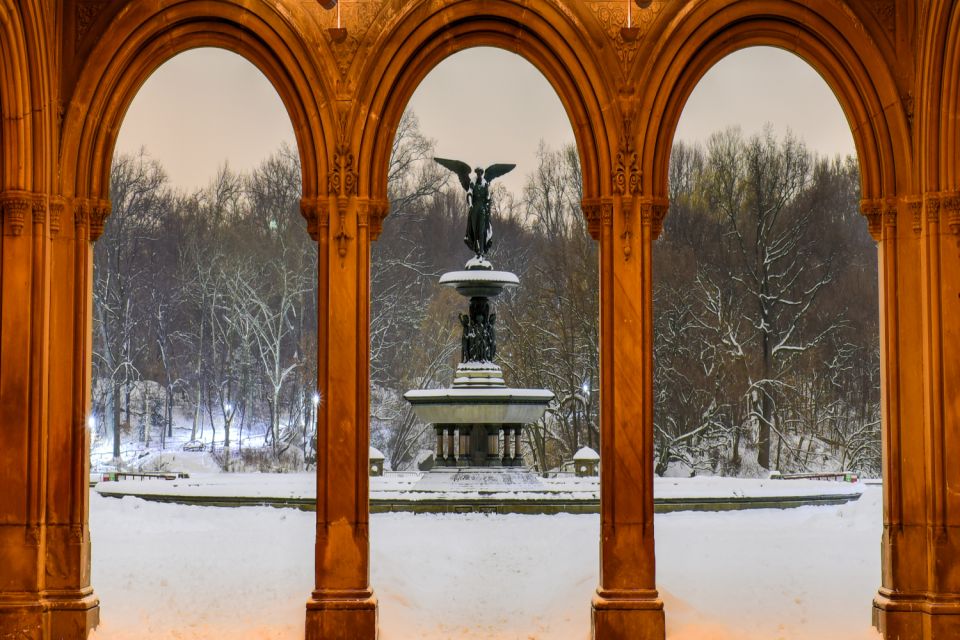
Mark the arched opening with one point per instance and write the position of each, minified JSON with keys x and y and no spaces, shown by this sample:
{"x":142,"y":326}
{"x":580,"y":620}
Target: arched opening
{"x":547,"y":337}
{"x":204,"y":348}
{"x":767,"y":353}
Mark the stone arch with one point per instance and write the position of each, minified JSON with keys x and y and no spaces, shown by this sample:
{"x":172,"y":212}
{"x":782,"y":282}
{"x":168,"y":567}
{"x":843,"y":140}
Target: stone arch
{"x":948,"y":131}
{"x":15,"y":130}
{"x":822,"y":35}
{"x":549,"y":39}
{"x":144,"y":37}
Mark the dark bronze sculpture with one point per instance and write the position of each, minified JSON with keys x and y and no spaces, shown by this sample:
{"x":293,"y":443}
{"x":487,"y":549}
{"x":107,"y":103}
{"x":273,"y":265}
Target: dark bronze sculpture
{"x":479,"y":235}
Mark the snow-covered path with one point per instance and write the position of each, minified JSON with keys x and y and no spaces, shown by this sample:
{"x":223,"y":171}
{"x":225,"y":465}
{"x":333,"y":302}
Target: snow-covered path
{"x":179,"y":572}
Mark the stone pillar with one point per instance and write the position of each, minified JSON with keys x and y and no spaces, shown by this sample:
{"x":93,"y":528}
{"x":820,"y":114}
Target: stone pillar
{"x":44,"y":544}
{"x":506,"y":460}
{"x":919,"y":265}
{"x":451,"y":459}
{"x":439,"y":453}
{"x":517,"y":455}
{"x":493,"y":445}
{"x":342,"y":606}
{"x":21,"y":439}
{"x":466,"y":452}
{"x":626,"y":605}
{"x":73,"y":603}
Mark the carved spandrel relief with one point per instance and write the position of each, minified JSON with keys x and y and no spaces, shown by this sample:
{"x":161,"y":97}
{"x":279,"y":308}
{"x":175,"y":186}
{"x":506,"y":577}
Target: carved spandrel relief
{"x":612,"y":17}
{"x":86,"y":15}
{"x":357,"y":18}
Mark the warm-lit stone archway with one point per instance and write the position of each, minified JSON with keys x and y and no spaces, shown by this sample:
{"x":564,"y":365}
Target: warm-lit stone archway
{"x":69,"y":69}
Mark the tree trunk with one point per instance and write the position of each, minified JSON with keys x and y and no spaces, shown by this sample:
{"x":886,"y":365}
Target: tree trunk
{"x":116,"y":421}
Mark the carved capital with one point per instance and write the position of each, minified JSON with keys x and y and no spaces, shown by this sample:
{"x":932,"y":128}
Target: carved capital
{"x":653,"y":211}
{"x":890,"y":215}
{"x":310,"y":210}
{"x":378,"y":210}
{"x":56,"y":212}
{"x":39,"y":209}
{"x":99,"y":210}
{"x":951,"y":209}
{"x":81,"y":217}
{"x":915,"y":209}
{"x":606,"y":213}
{"x":591,"y":212}
{"x":15,"y":205}
{"x":931,"y":208}
{"x":872,"y":210}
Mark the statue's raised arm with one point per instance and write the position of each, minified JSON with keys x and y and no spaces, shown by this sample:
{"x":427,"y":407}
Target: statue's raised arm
{"x":479,"y":235}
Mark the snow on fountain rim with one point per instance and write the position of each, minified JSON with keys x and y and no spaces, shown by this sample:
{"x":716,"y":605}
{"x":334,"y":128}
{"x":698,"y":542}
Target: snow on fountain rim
{"x":455,"y":278}
{"x":496,"y":395}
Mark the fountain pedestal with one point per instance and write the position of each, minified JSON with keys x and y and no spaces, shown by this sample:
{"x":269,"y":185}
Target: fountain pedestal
{"x":479,"y":406}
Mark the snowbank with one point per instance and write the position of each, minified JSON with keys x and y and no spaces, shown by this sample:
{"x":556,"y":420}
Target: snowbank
{"x":193,"y":573}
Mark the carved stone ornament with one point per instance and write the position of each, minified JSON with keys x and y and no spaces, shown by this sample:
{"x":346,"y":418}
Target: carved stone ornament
{"x":612,"y":17}
{"x":591,"y":212}
{"x":39,"y":208}
{"x":931,"y":206}
{"x":342,"y":179}
{"x":81,"y":217}
{"x":951,"y":208}
{"x":15,"y":206}
{"x":99,"y":210}
{"x":626,"y":173}
{"x":890,"y":216}
{"x":658,"y":213}
{"x":86,"y":15}
{"x":872,"y":211}
{"x":56,"y":212}
{"x":342,"y":238}
{"x":378,"y":213}
{"x":310,"y":210}
{"x":915,"y":207}
{"x":626,"y":236}
{"x":356,"y":20}
{"x":606,"y":213}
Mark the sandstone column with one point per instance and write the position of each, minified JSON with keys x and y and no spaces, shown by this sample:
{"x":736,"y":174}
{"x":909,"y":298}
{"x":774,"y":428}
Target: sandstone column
{"x":626,"y":605}
{"x":342,"y":606}
{"x":919,"y":261}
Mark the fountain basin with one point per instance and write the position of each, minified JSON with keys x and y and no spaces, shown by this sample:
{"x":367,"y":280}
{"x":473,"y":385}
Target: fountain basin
{"x":479,"y":406}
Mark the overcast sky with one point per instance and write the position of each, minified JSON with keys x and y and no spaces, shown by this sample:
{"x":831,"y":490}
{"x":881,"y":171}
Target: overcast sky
{"x":209,"y":106}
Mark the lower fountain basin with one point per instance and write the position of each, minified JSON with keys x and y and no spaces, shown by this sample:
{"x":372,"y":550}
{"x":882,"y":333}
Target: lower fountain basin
{"x":479,"y":406}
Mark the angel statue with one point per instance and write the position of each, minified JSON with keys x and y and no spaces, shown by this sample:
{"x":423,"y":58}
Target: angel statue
{"x":479,"y":236}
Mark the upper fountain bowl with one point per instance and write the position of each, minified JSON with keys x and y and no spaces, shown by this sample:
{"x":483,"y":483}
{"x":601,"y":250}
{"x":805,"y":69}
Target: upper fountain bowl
{"x":479,"y":283}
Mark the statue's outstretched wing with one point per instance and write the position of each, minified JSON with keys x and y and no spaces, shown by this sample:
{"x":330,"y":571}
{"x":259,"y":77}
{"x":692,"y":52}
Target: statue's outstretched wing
{"x":462,"y":169}
{"x":497,"y":170}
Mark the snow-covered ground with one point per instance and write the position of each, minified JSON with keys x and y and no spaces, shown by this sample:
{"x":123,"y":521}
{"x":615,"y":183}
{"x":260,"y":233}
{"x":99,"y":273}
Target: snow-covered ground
{"x":167,"y":571}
